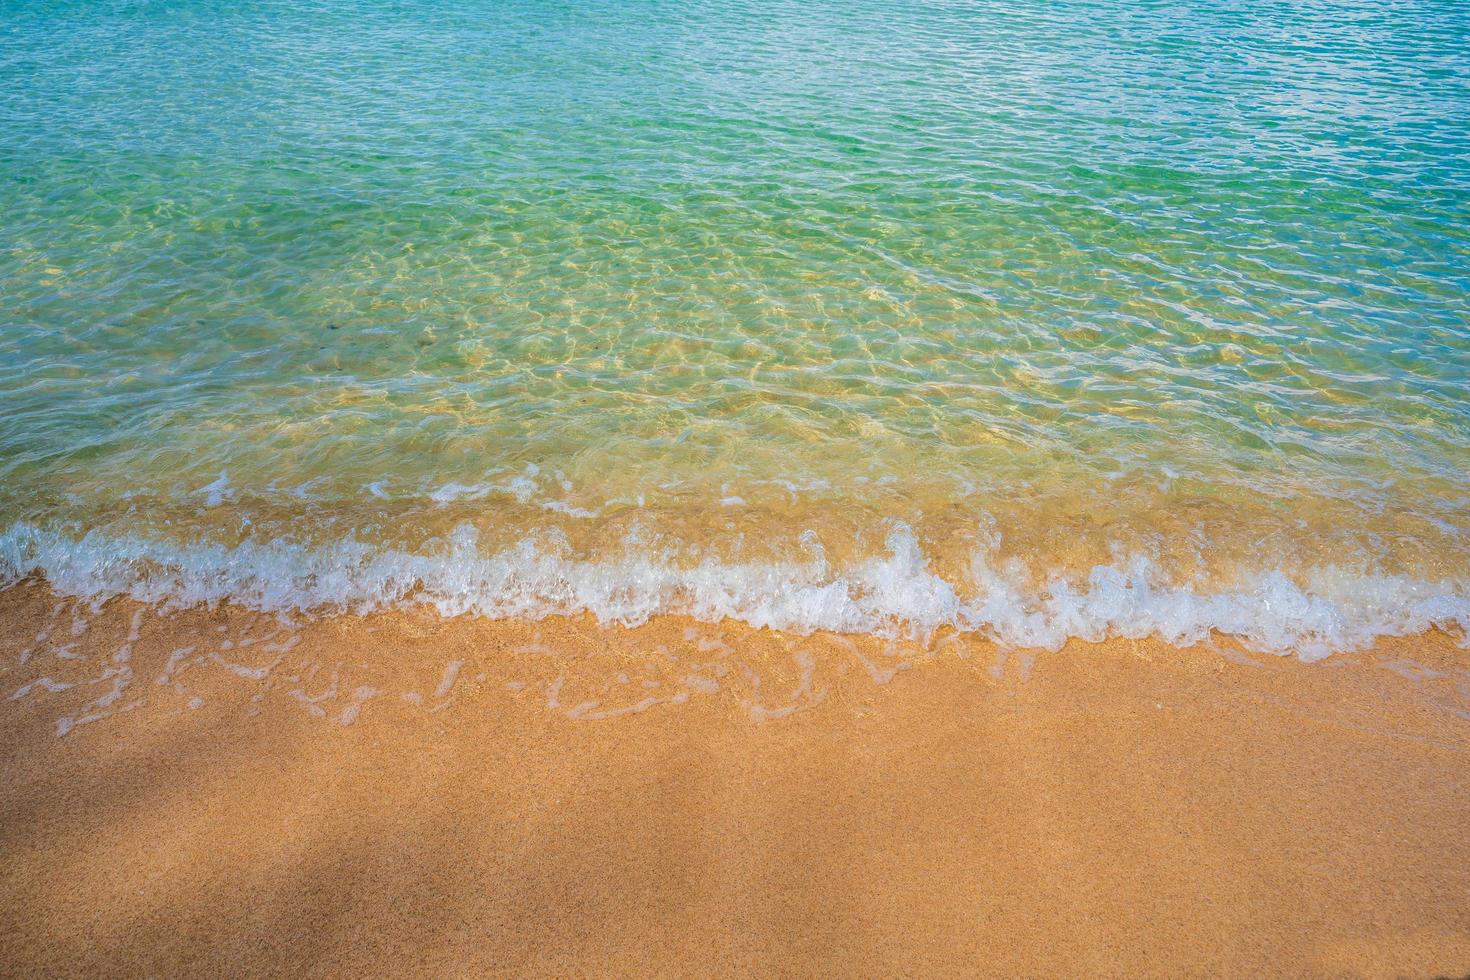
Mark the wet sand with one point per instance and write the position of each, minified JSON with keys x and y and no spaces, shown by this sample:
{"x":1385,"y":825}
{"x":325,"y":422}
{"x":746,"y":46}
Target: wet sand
{"x":398,"y":794}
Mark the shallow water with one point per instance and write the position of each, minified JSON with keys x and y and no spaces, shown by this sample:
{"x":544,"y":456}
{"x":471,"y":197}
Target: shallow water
{"x":1036,"y":319}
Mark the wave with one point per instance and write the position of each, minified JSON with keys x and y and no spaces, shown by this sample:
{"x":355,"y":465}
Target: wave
{"x":1313,"y":614}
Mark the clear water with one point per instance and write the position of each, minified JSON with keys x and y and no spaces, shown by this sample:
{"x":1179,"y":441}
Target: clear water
{"x":1043,"y":319}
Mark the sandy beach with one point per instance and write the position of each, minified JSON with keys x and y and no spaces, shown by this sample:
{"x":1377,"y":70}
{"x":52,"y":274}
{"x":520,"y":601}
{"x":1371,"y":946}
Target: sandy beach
{"x":726,"y":489}
{"x":400,"y":795}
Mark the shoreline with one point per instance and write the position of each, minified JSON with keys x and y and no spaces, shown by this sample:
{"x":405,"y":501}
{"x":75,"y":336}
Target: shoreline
{"x":506,"y":796}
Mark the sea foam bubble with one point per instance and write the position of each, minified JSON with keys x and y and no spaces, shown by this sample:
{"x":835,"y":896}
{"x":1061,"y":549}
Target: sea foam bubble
{"x":1311,"y":614}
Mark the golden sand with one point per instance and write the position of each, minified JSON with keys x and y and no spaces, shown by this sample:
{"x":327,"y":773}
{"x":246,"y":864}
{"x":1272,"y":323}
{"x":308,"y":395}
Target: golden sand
{"x":399,"y":794}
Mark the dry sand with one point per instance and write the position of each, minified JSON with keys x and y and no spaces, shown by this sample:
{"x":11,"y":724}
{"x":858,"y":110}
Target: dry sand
{"x":402,"y":795}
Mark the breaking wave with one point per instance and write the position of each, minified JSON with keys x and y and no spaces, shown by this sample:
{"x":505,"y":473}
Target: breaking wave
{"x":1311,"y":614}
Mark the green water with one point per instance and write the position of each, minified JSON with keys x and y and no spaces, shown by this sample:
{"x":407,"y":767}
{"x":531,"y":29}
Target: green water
{"x":995,"y":294}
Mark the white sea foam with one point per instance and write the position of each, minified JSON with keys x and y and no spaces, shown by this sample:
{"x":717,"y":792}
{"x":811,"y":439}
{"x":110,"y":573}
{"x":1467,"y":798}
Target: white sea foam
{"x":217,"y":492}
{"x":44,"y":683}
{"x":1318,"y":611}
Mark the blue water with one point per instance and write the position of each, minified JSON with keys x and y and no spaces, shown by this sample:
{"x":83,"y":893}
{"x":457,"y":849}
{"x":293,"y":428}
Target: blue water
{"x":1019,"y":317}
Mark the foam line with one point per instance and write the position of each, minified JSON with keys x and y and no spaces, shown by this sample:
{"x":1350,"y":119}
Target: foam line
{"x":1312,"y":613}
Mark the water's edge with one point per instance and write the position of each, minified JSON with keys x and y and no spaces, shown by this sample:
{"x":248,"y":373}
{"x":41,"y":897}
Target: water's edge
{"x":1311,"y":614}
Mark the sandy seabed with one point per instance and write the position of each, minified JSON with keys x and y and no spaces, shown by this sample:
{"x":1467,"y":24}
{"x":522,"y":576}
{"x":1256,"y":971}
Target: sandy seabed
{"x":223,"y":792}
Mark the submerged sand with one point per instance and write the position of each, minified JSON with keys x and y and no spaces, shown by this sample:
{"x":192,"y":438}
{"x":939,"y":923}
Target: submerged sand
{"x":399,"y":794}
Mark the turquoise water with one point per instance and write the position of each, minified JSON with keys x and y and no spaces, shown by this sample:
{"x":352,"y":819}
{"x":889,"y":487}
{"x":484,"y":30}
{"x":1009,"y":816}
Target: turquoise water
{"x":1040,"y":319}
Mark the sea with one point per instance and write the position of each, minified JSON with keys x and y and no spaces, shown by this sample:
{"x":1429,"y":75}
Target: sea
{"x":1034,"y":319}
